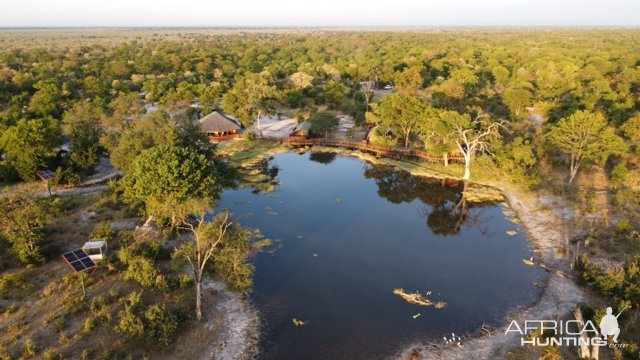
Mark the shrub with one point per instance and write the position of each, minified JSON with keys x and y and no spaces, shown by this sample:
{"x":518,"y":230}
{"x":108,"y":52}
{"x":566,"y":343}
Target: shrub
{"x":29,"y":348}
{"x":12,"y":281}
{"x":102,"y":231}
{"x":134,"y":300}
{"x":619,"y":175}
{"x":128,"y":323}
{"x":153,"y":250}
{"x":96,"y":320}
{"x":162,"y":325}
{"x":52,"y":354}
{"x":623,"y":226}
{"x":141,"y":270}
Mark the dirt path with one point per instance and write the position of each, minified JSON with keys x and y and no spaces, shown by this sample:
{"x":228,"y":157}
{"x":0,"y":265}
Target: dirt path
{"x":103,"y":171}
{"x":546,"y":221}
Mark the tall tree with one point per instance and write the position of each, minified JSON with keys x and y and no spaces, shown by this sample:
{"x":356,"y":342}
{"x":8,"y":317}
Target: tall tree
{"x":323,"y":122}
{"x":402,"y":113}
{"x":472,"y":136}
{"x":584,"y":137}
{"x":153,"y":129}
{"x":517,"y":99}
{"x":631,"y":129}
{"x":28,"y":143}
{"x":165,"y":177}
{"x":250,"y":97}
{"x":126,"y":108}
{"x":82,"y":123}
{"x":220,"y":237}
{"x":438,"y":134}
{"x":47,"y":100}
{"x":23,"y":219}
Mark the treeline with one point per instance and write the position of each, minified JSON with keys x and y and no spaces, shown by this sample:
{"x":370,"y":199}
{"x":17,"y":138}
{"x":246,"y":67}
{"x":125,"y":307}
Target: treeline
{"x":89,"y":96}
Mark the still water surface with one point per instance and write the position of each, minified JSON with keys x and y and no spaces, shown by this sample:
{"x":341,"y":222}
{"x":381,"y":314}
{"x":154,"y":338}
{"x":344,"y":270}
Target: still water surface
{"x":348,"y":233}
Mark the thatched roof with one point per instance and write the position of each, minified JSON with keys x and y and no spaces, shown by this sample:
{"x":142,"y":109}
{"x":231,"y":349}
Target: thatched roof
{"x":305,"y":125}
{"x":217,"y":123}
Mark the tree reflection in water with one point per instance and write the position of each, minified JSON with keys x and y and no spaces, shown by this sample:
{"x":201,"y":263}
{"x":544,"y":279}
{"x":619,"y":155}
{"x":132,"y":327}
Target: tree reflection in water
{"x":322,"y":157}
{"x":445,"y":210}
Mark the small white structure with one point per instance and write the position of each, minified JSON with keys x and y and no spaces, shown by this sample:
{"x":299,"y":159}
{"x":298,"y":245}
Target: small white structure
{"x":96,"y":249}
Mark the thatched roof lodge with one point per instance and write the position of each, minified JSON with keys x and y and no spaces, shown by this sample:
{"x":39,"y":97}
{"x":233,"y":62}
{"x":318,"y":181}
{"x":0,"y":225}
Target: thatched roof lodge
{"x":219,"y":126}
{"x":302,"y":130}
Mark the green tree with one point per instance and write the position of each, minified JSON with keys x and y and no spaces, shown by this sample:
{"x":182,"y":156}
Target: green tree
{"x":47,"y":99}
{"x":29,"y":143}
{"x":209,"y":96}
{"x":126,"y":109}
{"x":501,"y":75}
{"x":250,"y":97}
{"x":82,"y":123}
{"x":23,"y":222}
{"x":334,"y":93}
{"x":438,"y":134}
{"x":409,"y":80}
{"x":162,"y":325}
{"x":166,"y":177}
{"x":323,"y":122}
{"x":584,"y":137}
{"x":153,"y":129}
{"x":631,"y":129}
{"x":517,"y":99}
{"x":403,"y":114}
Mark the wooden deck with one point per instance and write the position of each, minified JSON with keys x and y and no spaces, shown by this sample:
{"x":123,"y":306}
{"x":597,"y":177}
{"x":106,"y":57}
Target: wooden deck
{"x":364,"y":146}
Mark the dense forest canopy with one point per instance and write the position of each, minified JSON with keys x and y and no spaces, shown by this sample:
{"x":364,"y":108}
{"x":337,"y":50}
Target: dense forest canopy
{"x":504,"y":73}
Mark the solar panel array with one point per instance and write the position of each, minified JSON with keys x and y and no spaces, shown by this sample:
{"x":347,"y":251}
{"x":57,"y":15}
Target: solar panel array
{"x":79,"y":260}
{"x":46,"y":174}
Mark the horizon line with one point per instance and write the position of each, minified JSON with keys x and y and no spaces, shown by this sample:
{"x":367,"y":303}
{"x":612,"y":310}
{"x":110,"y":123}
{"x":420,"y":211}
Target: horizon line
{"x":309,"y":27}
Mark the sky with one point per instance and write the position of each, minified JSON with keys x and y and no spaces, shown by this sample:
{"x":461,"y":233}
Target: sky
{"x":302,"y":13}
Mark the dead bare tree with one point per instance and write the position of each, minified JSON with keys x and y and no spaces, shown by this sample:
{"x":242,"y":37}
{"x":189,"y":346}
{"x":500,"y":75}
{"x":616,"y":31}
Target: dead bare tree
{"x":368,"y":88}
{"x":207,"y":236}
{"x":473,"y":136}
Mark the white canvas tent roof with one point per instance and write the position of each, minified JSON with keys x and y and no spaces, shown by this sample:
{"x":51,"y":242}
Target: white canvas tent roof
{"x":95,"y":244}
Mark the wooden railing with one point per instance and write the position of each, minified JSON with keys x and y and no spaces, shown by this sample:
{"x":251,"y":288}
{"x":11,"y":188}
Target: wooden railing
{"x":370,"y":148}
{"x":224,"y":137}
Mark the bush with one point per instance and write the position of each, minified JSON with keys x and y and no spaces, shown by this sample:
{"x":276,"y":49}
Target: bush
{"x":623,"y":226}
{"x":66,"y":176}
{"x":30,"y":348}
{"x":619,"y":175}
{"x":162,"y":325}
{"x":96,"y":320}
{"x":52,"y":354}
{"x":102,"y":300}
{"x":102,"y":231}
{"x":141,"y":270}
{"x":12,"y":281}
{"x":128,"y":323}
{"x":153,"y":250}
{"x":134,"y":300}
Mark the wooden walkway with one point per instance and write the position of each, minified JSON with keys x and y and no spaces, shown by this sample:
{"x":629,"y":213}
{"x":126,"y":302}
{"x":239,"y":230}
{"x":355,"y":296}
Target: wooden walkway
{"x":364,"y":146}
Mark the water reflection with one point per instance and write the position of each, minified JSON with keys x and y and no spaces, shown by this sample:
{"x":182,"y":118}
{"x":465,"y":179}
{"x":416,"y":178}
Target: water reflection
{"x":445,"y":210}
{"x":323,"y":157}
